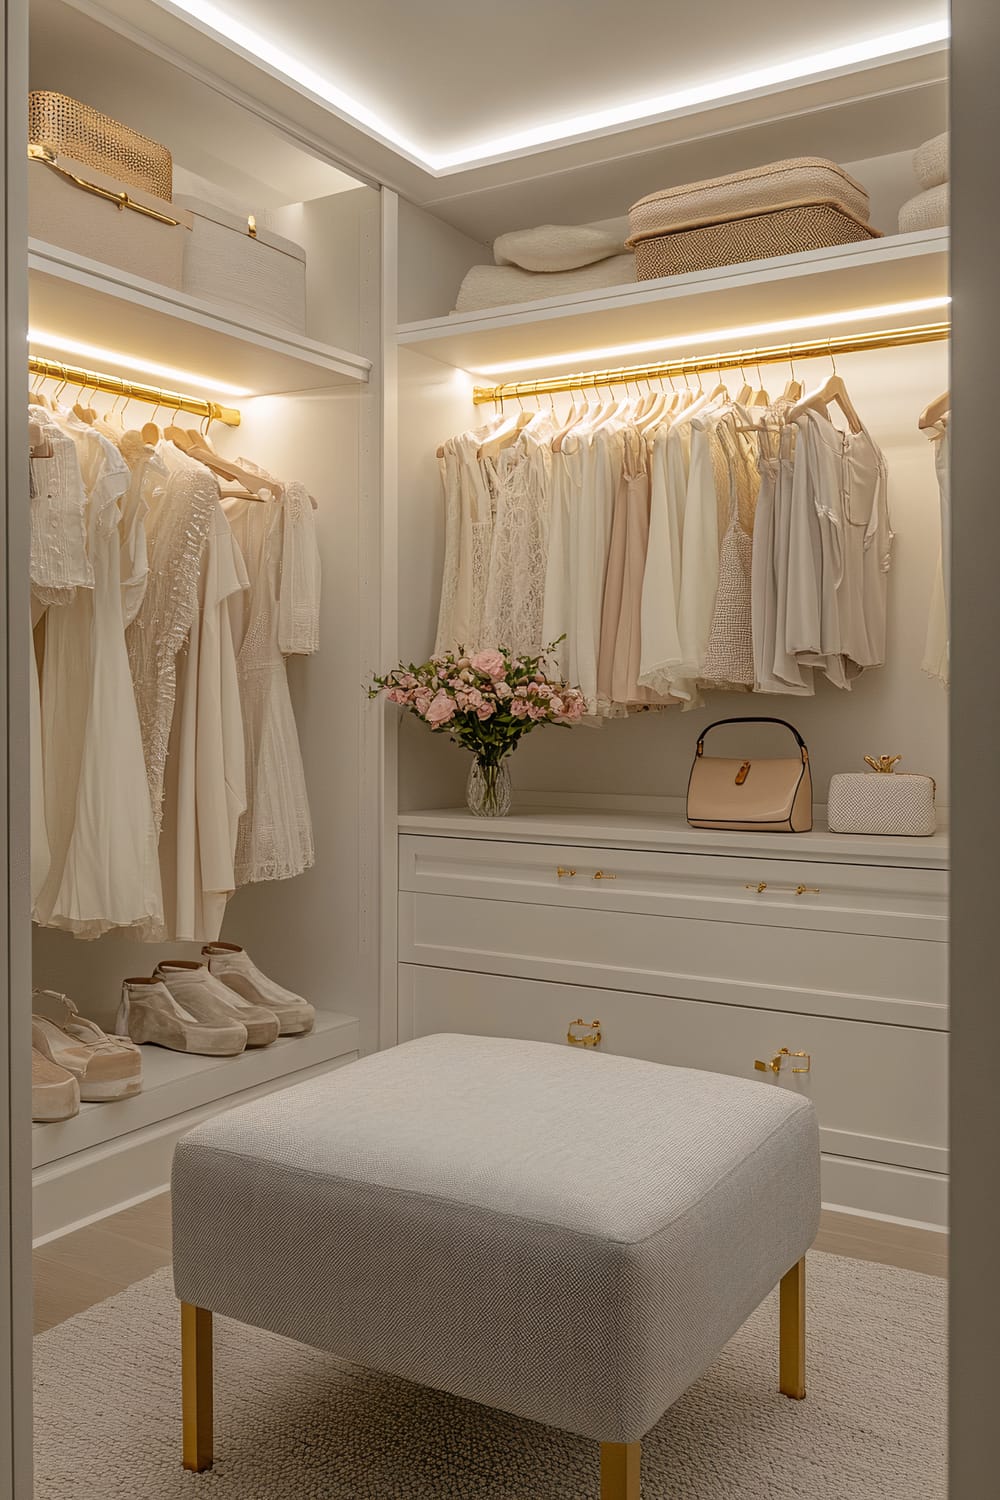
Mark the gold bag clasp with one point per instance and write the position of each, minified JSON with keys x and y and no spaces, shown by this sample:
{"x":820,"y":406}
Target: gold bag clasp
{"x":743,"y":773}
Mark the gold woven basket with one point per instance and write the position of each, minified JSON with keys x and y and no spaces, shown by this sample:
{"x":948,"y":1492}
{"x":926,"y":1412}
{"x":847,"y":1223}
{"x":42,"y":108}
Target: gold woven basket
{"x":788,"y":230}
{"x":77,"y":130}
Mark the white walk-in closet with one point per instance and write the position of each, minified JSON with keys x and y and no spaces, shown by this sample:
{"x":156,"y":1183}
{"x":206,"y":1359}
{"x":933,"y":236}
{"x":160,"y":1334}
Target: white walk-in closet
{"x":593,"y":912}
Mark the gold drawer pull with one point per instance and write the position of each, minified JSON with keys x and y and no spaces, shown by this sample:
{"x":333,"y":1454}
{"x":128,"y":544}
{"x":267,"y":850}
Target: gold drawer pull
{"x":591,"y":1036}
{"x":563,"y":873}
{"x":777,"y":1062}
{"x":788,"y":890}
{"x":604,"y":875}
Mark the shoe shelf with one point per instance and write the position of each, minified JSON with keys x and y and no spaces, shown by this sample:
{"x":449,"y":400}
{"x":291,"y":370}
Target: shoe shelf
{"x":175,"y":1083}
{"x":583,"y":330}
{"x":74,"y":298}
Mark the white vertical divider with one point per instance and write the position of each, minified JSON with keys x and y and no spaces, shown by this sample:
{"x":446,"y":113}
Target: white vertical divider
{"x":381,"y":721}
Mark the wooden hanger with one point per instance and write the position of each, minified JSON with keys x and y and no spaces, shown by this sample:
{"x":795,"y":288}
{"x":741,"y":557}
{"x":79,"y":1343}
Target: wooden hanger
{"x":150,"y":432}
{"x":507,"y":435}
{"x":256,"y":486}
{"x":40,"y":447}
{"x":833,"y":391}
{"x":932,"y":414}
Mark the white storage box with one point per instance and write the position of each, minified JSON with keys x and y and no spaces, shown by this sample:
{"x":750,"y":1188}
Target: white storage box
{"x":83,"y":209}
{"x":229,"y":259}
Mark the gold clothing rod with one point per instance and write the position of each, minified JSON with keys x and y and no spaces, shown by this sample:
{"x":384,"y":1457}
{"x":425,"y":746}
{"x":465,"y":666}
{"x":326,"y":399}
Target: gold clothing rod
{"x":198,"y":406}
{"x":849,"y":343}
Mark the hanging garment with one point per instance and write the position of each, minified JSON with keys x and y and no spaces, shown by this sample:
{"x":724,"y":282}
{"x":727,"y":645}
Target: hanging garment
{"x":59,"y":560}
{"x":468,"y":542}
{"x":729,"y":656}
{"x":205,"y":791}
{"x":103,"y":871}
{"x":775,"y":446}
{"x":618,"y":687}
{"x":147,"y":476}
{"x":41,"y":856}
{"x":783,"y":667}
{"x":513,"y":608}
{"x":699,"y":551}
{"x":669,"y":461}
{"x":177,"y":527}
{"x":936,"y":646}
{"x":274,"y":840}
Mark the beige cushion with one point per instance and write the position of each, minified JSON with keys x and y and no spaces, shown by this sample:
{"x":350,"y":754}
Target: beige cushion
{"x":928,"y":210}
{"x":561,"y":247}
{"x":568,"y":1236}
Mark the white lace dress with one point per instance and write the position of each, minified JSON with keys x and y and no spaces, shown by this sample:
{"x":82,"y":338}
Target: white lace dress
{"x":278,"y":616}
{"x":103,"y":872}
{"x":519,"y":479}
{"x":468,"y":542}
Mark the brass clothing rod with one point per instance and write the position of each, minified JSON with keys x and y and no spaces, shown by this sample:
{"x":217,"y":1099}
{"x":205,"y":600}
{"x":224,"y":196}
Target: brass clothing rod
{"x":850,"y":343}
{"x":90,"y":380}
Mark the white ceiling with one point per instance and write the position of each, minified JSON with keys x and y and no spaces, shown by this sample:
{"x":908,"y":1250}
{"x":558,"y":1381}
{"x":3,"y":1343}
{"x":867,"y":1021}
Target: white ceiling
{"x":448,"y":78}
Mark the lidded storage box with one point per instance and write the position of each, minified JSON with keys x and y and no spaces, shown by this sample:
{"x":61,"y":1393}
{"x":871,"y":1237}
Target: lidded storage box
{"x":783,"y":208}
{"x":67,"y":126}
{"x":229,"y":259}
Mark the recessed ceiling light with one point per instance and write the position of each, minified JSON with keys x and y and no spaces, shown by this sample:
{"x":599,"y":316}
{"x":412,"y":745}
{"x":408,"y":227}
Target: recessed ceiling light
{"x":184,"y":379}
{"x":722,"y":336}
{"x":836,"y":60}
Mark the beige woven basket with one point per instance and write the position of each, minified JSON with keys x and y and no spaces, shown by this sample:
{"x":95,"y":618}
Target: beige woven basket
{"x":801,"y":179}
{"x":83,"y":133}
{"x":782,"y":231}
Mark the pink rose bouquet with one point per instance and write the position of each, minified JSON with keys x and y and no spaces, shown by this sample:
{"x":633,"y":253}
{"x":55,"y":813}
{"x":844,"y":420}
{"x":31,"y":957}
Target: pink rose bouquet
{"x":485,"y":701}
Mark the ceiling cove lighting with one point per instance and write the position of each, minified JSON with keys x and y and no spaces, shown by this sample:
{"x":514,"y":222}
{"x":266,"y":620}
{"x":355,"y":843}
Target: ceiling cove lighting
{"x":741,"y":335}
{"x":41,"y":341}
{"x":842,"y":59}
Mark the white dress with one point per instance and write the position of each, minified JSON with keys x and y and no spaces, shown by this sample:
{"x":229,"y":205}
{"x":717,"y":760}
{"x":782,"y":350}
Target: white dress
{"x":601,"y":462}
{"x":275,"y":839}
{"x":205,"y":785}
{"x":468,"y":542}
{"x":936,"y":646}
{"x":519,"y":479}
{"x":669,"y":459}
{"x":699,"y":552}
{"x":103,"y":872}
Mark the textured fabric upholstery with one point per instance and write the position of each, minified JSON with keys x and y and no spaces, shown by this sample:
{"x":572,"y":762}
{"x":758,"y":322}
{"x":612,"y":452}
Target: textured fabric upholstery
{"x":565,"y":1235}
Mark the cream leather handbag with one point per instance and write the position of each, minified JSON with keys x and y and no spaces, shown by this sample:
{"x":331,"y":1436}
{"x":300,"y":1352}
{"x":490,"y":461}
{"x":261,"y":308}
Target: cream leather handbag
{"x":759,"y":795}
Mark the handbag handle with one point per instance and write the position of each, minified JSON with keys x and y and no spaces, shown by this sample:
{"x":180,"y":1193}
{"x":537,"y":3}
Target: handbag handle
{"x":763,"y":720}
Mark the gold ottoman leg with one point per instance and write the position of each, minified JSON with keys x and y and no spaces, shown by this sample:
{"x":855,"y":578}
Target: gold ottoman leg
{"x":792,"y":1297}
{"x":620,"y":1471}
{"x":196,"y":1386}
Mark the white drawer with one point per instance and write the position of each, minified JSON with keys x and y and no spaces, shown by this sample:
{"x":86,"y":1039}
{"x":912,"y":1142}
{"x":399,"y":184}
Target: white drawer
{"x":846,"y":975}
{"x":880,"y":1091}
{"x":789,"y":892}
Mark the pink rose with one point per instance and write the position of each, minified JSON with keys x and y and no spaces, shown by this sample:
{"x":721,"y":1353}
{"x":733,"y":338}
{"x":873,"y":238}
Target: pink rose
{"x":407,"y":680}
{"x":489,"y":664}
{"x":474,"y":698}
{"x":556,"y":704}
{"x":422,"y":699}
{"x":520,"y":692}
{"x":503,"y":690}
{"x":485,"y":711}
{"x":537,"y":711}
{"x":543,"y":691}
{"x":519,"y":708}
{"x":441,"y":709}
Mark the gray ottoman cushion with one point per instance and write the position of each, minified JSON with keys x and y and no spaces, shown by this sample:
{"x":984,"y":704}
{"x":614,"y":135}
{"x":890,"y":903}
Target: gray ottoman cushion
{"x":568,"y":1236}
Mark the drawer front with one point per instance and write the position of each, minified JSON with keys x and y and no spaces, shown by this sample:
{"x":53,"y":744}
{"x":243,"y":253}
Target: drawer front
{"x":873,"y":899}
{"x":850,"y":976}
{"x":880,"y":1091}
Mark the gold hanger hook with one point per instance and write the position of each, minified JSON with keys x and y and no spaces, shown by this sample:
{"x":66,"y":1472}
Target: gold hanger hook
{"x":64,"y":382}
{"x":829,"y":350}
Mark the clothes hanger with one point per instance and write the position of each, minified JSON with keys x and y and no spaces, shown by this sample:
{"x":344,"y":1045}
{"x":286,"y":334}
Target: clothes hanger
{"x":834,"y":390}
{"x":39,"y":444}
{"x":83,"y":413}
{"x":793,"y":390}
{"x":579,"y":417}
{"x":150,"y":432}
{"x":932,"y":414}
{"x":253,"y":486}
{"x":745,"y":395}
{"x":760,"y":396}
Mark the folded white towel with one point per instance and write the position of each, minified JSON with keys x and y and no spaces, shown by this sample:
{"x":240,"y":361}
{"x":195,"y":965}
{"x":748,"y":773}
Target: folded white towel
{"x":927,"y":210}
{"x":561,"y":247}
{"x":930,"y":161}
{"x":499,"y":286}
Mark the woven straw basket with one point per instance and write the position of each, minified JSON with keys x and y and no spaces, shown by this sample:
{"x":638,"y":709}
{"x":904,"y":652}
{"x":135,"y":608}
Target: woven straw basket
{"x":788,"y":230}
{"x":83,"y":133}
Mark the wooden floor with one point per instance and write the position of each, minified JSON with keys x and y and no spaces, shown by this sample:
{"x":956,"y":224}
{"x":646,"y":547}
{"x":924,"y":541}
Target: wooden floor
{"x":84,"y":1268}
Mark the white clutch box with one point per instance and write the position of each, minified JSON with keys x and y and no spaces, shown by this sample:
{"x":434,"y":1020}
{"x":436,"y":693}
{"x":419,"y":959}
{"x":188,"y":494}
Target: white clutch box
{"x":229,"y":259}
{"x":881,"y":802}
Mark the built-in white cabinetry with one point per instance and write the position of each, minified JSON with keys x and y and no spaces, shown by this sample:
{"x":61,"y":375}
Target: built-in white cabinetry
{"x":706,"y":950}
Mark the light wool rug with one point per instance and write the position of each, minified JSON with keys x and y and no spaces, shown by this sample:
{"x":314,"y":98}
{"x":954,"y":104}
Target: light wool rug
{"x":294,"y":1424}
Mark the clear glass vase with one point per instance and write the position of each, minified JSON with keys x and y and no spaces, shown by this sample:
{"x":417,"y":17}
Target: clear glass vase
{"x":488,"y":790}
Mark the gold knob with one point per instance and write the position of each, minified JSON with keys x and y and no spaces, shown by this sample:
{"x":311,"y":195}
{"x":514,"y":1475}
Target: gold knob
{"x":563,"y":873}
{"x":758,"y":886}
{"x":603,"y":875}
{"x":777,"y":1062}
{"x":807,"y":890}
{"x":591,"y":1036}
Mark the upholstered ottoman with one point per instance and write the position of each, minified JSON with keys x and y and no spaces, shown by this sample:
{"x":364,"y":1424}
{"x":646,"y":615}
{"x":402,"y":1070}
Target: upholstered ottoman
{"x":565,"y":1235}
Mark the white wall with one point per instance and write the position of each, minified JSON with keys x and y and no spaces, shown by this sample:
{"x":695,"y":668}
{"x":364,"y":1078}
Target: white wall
{"x":896,"y":709}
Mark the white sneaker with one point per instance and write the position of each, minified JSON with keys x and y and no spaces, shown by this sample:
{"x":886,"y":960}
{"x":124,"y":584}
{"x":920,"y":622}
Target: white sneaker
{"x":234,"y":966}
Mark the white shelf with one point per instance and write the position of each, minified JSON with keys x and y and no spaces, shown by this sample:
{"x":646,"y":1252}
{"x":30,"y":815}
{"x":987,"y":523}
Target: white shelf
{"x":612,"y":828}
{"x":95,"y":304}
{"x":567,"y":330}
{"x":175,"y":1083}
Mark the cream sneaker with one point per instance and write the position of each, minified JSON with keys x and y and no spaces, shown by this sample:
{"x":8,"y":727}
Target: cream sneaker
{"x":106,"y":1068}
{"x":236,"y":969}
{"x":55,"y":1093}
{"x":192,"y":985}
{"x":149,"y":1013}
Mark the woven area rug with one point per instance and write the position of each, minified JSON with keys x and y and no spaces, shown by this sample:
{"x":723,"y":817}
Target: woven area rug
{"x":294,"y":1424}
